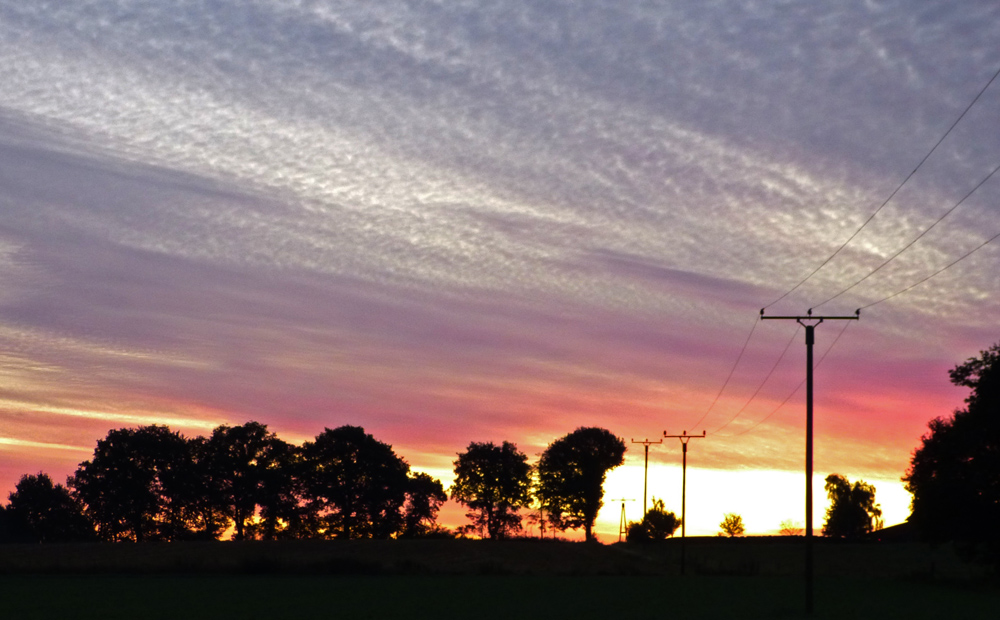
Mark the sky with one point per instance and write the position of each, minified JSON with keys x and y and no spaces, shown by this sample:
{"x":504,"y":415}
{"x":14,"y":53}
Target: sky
{"x":460,"y":221}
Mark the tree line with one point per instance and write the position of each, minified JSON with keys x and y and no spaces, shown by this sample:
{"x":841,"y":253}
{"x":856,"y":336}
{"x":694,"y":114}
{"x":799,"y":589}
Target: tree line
{"x":153,"y":484}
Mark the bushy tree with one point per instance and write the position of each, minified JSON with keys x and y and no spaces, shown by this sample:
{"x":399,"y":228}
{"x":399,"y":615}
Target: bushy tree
{"x":571,"y":476}
{"x":248,"y":473}
{"x":356,"y":483}
{"x":790,"y":527}
{"x":657,"y":524}
{"x":424,"y":496}
{"x":494,"y":482}
{"x":954,"y":475}
{"x":40,"y":511}
{"x":732,"y":525}
{"x":139,"y":485}
{"x":853,"y":511}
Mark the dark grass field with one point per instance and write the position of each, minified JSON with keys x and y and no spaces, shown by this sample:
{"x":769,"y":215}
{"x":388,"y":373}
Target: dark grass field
{"x":482,"y":579}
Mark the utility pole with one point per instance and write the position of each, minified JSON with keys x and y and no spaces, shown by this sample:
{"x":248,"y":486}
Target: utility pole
{"x":804,"y":321}
{"x":645,"y":472}
{"x":622,"y":523}
{"x":685,"y":438}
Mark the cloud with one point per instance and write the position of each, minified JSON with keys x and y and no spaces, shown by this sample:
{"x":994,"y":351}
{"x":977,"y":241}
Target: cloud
{"x":450,"y":222}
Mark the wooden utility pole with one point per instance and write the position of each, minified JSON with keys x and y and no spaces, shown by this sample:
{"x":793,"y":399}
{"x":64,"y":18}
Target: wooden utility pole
{"x":645,"y":471}
{"x":685,"y":438}
{"x":810,"y":341}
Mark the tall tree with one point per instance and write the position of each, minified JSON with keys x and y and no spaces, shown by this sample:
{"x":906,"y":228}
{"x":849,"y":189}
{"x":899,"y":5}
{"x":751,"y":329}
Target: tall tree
{"x":954,"y":475}
{"x":853,"y":511}
{"x":424,"y":496}
{"x":40,"y":511}
{"x":356,"y":483}
{"x":494,"y":482}
{"x":571,"y":476}
{"x":138,"y":485}
{"x":243,"y":465}
{"x":283,"y":511}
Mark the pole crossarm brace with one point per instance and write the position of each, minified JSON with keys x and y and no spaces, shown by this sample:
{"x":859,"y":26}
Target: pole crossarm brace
{"x":685,"y":438}
{"x":810,"y":322}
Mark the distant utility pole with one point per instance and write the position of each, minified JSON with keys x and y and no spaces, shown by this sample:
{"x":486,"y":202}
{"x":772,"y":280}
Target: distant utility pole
{"x":622,"y":523}
{"x":645,"y":472}
{"x":685,"y":438}
{"x":810,"y":341}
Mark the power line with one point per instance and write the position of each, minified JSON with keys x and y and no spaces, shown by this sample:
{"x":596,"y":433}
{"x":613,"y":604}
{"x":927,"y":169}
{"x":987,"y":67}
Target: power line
{"x":893,"y":194}
{"x":761,"y":386}
{"x":945,"y":268}
{"x":915,"y":239}
{"x":731,"y":371}
{"x":797,"y":387}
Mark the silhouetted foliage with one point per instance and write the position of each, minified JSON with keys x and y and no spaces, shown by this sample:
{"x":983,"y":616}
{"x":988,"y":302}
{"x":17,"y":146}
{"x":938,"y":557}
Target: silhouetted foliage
{"x":732,"y":525}
{"x":494,"y":482}
{"x":248,"y":474}
{"x":140,"y":485}
{"x":9,"y":532}
{"x":788,"y":527}
{"x":571,"y":476}
{"x":657,"y":524}
{"x":424,"y":496}
{"x":954,"y":475}
{"x":356,"y":484}
{"x":853,"y":511}
{"x":40,"y":511}
{"x":283,"y":511}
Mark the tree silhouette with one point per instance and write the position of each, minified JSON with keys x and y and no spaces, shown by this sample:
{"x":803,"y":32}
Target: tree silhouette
{"x":11,"y":532}
{"x":571,"y":476}
{"x":954,"y":475}
{"x":207,"y":518}
{"x":246,"y":467}
{"x":40,"y":511}
{"x":494,"y":482}
{"x":790,"y":527}
{"x":356,"y":483}
{"x":283,"y":511}
{"x":732,"y":525}
{"x":853,"y":511}
{"x":424,"y":496}
{"x":657,"y":524}
{"x":139,"y":485}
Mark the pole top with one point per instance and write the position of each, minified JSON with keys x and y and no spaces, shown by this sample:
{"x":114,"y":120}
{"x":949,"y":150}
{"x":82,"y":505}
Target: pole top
{"x":684,"y":436}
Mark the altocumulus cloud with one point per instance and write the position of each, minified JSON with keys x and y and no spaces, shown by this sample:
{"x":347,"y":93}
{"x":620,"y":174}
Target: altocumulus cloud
{"x":449,"y":221}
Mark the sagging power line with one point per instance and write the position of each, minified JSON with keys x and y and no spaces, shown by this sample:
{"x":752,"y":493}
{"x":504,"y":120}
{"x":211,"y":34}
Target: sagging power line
{"x":913,"y":241}
{"x":795,"y":390}
{"x":761,"y":385}
{"x":730,"y":375}
{"x":891,"y":196}
{"x":941,"y":270}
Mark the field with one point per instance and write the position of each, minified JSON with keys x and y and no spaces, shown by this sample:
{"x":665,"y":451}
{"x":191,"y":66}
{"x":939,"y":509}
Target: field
{"x":751,"y":578}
